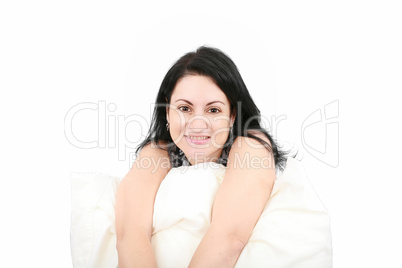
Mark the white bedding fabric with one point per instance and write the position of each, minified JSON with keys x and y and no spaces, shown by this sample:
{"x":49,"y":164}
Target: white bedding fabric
{"x":293,"y":230}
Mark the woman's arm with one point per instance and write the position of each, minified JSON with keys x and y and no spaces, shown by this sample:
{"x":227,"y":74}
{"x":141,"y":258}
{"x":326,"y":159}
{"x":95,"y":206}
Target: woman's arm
{"x":239,"y":202}
{"x":134,"y":207}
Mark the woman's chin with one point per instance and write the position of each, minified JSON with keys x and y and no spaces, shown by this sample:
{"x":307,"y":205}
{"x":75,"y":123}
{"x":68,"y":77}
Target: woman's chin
{"x":198,"y":155}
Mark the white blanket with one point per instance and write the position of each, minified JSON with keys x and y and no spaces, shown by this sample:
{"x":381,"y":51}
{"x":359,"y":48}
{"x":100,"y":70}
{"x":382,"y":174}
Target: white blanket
{"x":293,"y":231}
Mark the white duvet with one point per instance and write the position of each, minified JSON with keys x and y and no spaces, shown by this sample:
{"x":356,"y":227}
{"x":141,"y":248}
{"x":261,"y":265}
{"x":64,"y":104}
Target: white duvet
{"x":293,"y":230}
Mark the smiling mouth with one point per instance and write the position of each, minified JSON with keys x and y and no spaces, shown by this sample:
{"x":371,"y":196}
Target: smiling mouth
{"x":198,"y":139}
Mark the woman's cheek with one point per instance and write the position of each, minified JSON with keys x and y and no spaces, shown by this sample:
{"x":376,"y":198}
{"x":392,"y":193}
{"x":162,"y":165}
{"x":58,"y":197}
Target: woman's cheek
{"x":220,"y":136}
{"x":177,"y":132}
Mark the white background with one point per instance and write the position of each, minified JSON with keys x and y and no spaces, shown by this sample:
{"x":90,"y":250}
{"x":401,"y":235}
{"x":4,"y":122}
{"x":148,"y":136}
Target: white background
{"x":295,"y":56}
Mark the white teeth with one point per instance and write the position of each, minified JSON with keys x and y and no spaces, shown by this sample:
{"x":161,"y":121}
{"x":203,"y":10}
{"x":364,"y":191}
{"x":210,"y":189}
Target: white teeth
{"x":198,"y":138}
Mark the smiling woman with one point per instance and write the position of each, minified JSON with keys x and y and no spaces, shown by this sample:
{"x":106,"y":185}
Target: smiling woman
{"x":204,"y":89}
{"x":199,"y":127}
{"x":204,"y":113}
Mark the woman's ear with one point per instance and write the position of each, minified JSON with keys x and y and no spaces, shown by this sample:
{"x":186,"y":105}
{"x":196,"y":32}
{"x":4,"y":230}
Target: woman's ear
{"x":167,"y":114}
{"x":167,"y":109}
{"x":232,"y":118}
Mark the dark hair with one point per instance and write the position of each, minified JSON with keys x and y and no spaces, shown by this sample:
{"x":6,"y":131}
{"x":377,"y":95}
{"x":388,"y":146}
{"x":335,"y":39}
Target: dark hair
{"x":216,"y":65}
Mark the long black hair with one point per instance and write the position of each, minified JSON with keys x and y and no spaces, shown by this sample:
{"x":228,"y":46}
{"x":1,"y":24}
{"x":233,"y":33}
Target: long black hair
{"x":215,"y":64}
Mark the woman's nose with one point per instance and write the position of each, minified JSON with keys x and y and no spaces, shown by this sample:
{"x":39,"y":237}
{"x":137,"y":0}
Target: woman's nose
{"x":198,"y":122}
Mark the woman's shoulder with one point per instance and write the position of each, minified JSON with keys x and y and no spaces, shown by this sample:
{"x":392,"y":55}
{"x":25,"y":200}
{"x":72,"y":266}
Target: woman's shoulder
{"x":242,"y":141}
{"x":250,"y":152}
{"x":155,"y":155}
{"x":159,"y":147}
{"x":259,"y":134}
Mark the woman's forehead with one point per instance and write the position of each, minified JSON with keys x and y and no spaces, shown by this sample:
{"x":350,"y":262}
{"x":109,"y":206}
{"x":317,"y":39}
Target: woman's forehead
{"x":199,"y":89}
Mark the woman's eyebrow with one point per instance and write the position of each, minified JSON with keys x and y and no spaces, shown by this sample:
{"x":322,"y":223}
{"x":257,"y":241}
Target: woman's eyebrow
{"x":192,"y":104}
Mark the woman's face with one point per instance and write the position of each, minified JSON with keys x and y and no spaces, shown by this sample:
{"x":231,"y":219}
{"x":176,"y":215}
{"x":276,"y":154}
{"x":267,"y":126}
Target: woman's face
{"x":199,"y":118}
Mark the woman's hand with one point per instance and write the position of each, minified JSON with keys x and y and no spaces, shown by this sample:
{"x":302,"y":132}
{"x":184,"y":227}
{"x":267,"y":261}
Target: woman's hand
{"x":239,"y":202}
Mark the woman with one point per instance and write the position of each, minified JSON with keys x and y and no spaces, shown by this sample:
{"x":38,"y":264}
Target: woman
{"x":204,"y":113}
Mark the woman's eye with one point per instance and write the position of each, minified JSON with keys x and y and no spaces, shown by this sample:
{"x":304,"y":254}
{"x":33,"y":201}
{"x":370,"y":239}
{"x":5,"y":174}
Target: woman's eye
{"x":184,"y":109}
{"x":214,"y":110}
{"x":187,"y":109}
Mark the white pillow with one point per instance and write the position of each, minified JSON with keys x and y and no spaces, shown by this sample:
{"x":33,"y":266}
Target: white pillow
{"x":293,"y":230}
{"x":93,"y":234}
{"x":182,"y":212}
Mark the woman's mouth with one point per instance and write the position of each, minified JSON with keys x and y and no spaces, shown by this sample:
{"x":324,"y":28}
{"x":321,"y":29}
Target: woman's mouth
{"x":198,"y":139}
